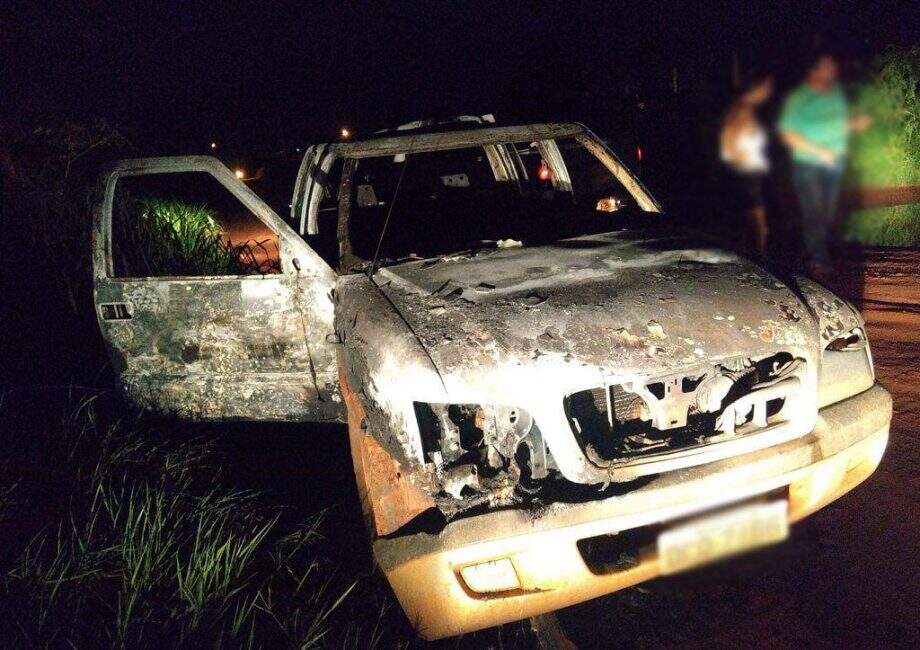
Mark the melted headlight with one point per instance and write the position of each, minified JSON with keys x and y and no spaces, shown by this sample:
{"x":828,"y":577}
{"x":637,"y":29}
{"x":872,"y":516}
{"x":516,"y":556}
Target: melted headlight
{"x":853,"y":340}
{"x":846,"y":368}
{"x":481,"y":434}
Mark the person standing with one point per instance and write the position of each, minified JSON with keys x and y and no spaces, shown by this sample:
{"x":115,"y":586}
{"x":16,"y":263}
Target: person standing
{"x":743,"y":148}
{"x":815,"y":126}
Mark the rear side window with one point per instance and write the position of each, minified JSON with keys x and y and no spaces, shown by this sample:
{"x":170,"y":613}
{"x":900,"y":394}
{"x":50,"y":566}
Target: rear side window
{"x":187,"y":224}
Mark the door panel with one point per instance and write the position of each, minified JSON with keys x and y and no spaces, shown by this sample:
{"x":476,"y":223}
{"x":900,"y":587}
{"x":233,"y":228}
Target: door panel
{"x":257,"y":347}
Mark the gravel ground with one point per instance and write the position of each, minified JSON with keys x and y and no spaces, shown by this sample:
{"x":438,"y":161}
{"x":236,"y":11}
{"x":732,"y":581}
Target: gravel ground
{"x":850,"y":575}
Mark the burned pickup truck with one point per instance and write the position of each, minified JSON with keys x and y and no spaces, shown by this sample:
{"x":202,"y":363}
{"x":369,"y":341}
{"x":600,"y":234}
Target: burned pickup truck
{"x":551,"y":391}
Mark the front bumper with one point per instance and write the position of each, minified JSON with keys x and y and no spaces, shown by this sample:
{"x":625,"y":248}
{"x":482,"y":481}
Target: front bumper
{"x":844,"y":448}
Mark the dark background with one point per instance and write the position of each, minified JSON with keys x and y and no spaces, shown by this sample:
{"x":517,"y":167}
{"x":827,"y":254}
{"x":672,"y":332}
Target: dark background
{"x":267,"y":77}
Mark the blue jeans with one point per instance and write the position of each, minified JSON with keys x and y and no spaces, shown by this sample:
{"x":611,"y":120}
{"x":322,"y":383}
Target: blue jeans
{"x":817,"y":188}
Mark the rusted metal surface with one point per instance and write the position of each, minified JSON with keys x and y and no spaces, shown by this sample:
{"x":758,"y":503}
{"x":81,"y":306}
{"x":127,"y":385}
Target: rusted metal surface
{"x":519,"y":330}
{"x":526,"y":327}
{"x":219,"y":348}
{"x":543,"y":546}
{"x":383,"y":358}
{"x":471,"y":381}
{"x":389,"y":497}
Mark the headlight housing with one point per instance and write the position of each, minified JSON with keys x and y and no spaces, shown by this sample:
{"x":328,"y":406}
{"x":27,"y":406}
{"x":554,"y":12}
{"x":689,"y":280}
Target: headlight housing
{"x":846,"y":367}
{"x":853,"y":340}
{"x":483,"y":434}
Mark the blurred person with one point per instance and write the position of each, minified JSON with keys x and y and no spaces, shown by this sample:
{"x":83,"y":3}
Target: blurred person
{"x":815,"y":126}
{"x":743,"y":144}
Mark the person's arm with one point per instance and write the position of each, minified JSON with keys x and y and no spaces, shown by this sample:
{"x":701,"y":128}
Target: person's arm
{"x":798,"y":142}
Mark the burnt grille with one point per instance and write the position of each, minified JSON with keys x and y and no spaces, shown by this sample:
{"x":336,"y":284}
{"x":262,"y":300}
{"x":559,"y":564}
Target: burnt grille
{"x":599,"y":408}
{"x":622,"y":432}
{"x":621,"y":421}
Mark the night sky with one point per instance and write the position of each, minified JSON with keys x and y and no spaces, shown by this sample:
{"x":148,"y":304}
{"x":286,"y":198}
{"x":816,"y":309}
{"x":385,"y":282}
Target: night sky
{"x":178,"y":76}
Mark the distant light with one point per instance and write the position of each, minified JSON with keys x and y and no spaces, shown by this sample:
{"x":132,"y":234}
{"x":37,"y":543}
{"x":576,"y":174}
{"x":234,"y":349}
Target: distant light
{"x":639,"y":153}
{"x":345,"y":132}
{"x":214,"y":145}
{"x":239,"y":173}
{"x":544,"y":173}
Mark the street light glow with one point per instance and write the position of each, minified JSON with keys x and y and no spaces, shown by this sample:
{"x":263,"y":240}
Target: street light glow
{"x":214,"y":145}
{"x":239,"y":173}
{"x":345,"y":132}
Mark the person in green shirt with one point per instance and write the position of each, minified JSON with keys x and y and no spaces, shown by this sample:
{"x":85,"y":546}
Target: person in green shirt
{"x":815,"y":126}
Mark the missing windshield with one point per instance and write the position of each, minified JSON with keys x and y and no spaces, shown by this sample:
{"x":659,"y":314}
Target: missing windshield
{"x":437,"y":203}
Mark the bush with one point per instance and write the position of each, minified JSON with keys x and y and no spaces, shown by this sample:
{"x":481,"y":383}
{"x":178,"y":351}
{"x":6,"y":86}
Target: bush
{"x":48,"y":172}
{"x":897,"y":225}
{"x":889,"y":152}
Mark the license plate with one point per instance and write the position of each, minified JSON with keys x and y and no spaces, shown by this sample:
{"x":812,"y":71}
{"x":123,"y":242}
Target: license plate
{"x":721,"y":535}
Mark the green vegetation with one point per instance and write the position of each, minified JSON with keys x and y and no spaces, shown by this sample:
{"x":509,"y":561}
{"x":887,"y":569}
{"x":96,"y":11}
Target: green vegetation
{"x":114,"y":535}
{"x":124,"y":529}
{"x":897,"y":225}
{"x":166,"y":237}
{"x":889,"y":152}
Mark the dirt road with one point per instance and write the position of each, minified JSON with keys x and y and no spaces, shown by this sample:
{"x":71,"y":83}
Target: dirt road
{"x":872,"y":197}
{"x":849,"y":576}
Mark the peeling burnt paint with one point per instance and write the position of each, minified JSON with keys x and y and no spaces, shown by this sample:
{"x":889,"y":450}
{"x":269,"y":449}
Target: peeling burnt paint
{"x":222,"y":349}
{"x":459,"y":375}
{"x":598,"y":306}
{"x":236,"y":347}
{"x":555,"y":320}
{"x":834,"y":315}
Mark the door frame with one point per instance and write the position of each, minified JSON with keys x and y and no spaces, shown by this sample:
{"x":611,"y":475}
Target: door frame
{"x":296,"y":256}
{"x":311,"y":279}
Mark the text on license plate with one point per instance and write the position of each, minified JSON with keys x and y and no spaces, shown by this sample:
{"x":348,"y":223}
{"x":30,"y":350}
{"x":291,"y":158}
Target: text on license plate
{"x":723,"y":534}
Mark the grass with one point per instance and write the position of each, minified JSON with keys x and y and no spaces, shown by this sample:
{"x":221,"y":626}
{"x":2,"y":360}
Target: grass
{"x":114,"y":534}
{"x":889,"y":152}
{"x":120,"y":529}
{"x":168,"y":237}
{"x":897,"y":225}
{"x":185,"y":239}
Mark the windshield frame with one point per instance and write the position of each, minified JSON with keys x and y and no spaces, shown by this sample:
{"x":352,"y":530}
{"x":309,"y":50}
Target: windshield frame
{"x":429,"y":142}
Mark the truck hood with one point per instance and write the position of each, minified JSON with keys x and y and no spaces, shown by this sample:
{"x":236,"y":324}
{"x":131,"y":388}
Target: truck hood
{"x":622,"y":303}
